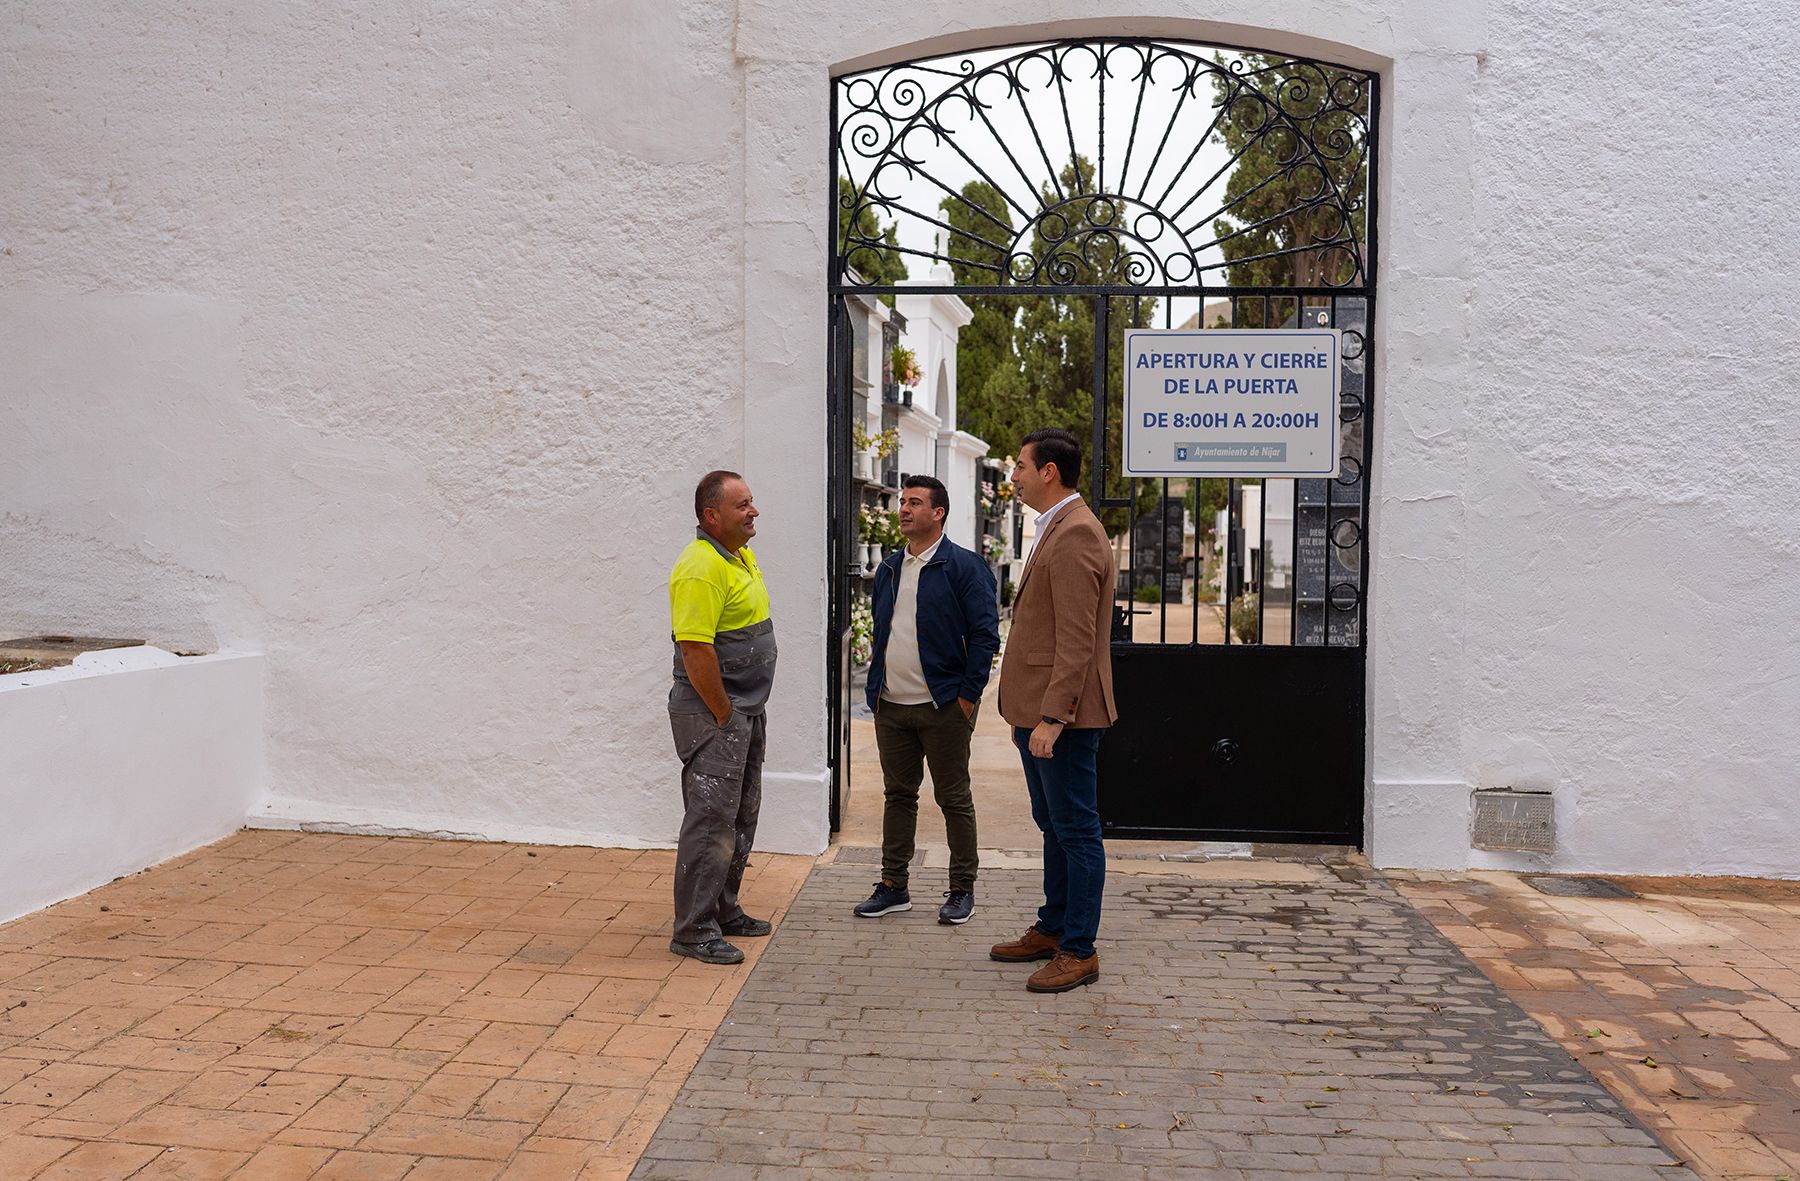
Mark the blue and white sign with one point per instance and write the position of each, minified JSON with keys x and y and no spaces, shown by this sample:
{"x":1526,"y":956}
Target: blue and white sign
{"x":1231,"y":402}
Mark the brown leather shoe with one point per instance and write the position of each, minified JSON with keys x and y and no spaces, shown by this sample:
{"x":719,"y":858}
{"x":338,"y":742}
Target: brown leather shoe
{"x":1065,"y":972}
{"x":1033,"y":945}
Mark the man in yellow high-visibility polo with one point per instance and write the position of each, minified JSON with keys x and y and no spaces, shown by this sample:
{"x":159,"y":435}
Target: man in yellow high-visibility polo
{"x":724,"y":667}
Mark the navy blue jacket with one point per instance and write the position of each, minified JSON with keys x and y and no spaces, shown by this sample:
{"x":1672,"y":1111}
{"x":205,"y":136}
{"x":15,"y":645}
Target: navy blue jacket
{"x":958,"y":623}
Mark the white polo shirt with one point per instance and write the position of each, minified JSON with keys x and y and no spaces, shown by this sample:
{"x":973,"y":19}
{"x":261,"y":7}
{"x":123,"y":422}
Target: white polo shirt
{"x":903,"y":681}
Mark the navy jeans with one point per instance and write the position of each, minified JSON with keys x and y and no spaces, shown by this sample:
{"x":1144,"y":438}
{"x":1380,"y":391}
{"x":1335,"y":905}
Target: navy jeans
{"x":1063,"y":804}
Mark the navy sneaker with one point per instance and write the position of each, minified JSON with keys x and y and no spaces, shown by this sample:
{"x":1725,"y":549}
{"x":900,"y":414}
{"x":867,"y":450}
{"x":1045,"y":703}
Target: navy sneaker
{"x":885,"y":900}
{"x":958,"y":906}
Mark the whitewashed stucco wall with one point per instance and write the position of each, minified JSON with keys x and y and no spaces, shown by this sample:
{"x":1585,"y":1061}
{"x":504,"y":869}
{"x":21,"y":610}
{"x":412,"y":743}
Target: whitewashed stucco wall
{"x":387,"y":341}
{"x":1633,"y":431}
{"x":389,"y":344}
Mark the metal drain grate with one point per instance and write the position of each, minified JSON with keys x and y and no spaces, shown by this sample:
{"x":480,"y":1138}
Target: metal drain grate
{"x":1577,"y":887}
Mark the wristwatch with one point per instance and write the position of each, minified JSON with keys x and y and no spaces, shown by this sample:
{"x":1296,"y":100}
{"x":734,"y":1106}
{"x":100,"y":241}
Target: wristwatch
{"x":1054,"y":721}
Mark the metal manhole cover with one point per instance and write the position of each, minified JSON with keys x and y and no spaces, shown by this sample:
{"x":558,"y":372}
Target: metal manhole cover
{"x":1577,"y":887}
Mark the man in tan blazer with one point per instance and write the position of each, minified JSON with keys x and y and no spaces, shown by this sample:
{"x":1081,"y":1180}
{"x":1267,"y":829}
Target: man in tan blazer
{"x":1056,"y":693}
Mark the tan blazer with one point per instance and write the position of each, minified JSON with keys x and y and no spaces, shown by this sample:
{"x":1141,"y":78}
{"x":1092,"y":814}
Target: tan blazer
{"x":1058,"y":660}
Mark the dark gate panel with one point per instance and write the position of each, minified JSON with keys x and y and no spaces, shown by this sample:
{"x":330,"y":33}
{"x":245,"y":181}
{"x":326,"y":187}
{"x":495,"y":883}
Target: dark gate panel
{"x":1239,"y":743}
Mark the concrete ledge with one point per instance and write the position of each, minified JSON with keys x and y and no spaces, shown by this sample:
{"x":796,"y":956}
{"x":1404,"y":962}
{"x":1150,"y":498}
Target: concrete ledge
{"x":793,"y":816}
{"x":796,"y":815}
{"x":287,"y":813}
{"x":123,"y":759}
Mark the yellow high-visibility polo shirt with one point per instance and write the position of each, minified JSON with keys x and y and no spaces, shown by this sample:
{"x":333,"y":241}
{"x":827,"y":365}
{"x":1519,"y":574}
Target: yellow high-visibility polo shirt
{"x":712,"y":590}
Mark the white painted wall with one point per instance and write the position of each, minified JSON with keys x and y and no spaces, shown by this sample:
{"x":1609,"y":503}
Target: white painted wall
{"x":1631,"y":443}
{"x":932,"y":445}
{"x":932,"y":324}
{"x":125,"y":758}
{"x":918,"y":442}
{"x":962,"y":480}
{"x":391,"y":343}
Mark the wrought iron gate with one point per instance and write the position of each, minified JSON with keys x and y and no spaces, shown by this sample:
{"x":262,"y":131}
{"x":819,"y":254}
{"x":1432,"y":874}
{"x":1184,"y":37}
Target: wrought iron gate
{"x":1115,"y":181}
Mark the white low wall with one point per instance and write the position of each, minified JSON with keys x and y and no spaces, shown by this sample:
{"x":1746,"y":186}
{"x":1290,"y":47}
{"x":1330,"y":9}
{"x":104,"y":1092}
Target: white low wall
{"x":122,"y":760}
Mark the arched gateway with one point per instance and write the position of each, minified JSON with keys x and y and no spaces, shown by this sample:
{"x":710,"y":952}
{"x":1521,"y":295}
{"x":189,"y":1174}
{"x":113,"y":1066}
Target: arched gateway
{"x":1073,"y":189}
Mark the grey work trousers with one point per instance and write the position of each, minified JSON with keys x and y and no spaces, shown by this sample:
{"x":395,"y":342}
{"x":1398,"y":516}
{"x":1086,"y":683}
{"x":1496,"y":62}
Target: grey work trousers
{"x":721,"y":794}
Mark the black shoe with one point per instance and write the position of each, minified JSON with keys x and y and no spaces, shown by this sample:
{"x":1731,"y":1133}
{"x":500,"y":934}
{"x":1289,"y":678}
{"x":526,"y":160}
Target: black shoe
{"x":958,"y":906}
{"x":713,"y":951}
{"x":745,"y":927}
{"x":885,"y":900}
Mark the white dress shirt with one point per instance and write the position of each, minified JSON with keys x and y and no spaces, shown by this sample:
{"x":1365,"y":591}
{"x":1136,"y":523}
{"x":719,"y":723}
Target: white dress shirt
{"x":1043,"y":518}
{"x":903,"y":679}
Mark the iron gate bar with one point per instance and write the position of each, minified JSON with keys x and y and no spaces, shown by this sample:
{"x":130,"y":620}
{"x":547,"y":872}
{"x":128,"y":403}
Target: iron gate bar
{"x":1234,"y":532}
{"x":1326,"y":608}
{"x":1137,"y":113}
{"x":1162,"y":564}
{"x":1099,"y":164}
{"x":1097,"y":466}
{"x":845,"y":570}
{"x":1294,"y":543}
{"x":1262,"y":550}
{"x":836,"y":712}
{"x":1262,"y":523}
{"x":1162,"y":511}
{"x":833,"y":558}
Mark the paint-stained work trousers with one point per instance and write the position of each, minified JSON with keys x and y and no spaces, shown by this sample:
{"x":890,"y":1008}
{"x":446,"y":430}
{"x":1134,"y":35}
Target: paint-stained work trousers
{"x":721,"y":792}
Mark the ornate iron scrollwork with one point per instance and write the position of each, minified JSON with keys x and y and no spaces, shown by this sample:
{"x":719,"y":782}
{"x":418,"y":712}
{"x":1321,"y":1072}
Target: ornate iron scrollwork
{"x":1061,"y":210}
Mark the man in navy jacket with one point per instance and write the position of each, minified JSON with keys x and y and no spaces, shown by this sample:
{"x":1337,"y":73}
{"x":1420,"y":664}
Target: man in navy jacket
{"x":937,"y":628}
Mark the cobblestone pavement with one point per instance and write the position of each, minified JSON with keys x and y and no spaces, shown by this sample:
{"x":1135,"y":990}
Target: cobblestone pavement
{"x":1238,"y":1030}
{"x":1683,"y":1000}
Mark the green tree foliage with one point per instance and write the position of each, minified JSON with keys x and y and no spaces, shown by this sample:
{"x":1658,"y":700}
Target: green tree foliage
{"x":1285,"y":196}
{"x":877,"y":266}
{"x":1027,"y":361}
{"x":977,"y":247}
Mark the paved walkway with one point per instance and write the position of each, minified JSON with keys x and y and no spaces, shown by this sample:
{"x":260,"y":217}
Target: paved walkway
{"x":1684,"y":1000}
{"x":282,"y":1006}
{"x":1239,"y":1030}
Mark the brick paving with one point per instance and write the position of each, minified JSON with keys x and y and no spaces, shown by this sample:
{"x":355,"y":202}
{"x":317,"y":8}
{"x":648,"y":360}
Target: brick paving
{"x":281,"y":1006}
{"x":1685,"y":1001}
{"x":1239,"y":1030}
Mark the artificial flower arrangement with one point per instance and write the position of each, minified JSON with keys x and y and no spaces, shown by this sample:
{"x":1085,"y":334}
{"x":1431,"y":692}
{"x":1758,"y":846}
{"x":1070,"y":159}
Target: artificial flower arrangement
{"x":862,"y":633}
{"x":883,"y":445}
{"x":880,"y":527}
{"x":905,"y":364}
